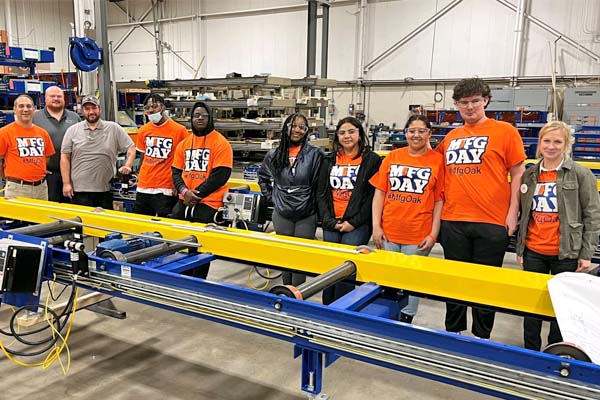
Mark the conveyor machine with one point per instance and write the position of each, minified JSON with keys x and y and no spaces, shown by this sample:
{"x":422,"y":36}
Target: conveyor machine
{"x":357,"y":326}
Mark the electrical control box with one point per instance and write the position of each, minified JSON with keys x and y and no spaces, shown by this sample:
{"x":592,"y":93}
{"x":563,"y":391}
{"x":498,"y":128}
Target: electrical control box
{"x":240,"y":206}
{"x":21,"y":266}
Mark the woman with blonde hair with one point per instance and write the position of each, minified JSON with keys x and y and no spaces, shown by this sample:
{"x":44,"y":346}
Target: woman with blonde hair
{"x":560,"y":217}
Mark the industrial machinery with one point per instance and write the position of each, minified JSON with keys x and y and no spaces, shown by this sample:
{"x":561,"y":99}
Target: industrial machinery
{"x":85,"y":53}
{"x":358,"y":325}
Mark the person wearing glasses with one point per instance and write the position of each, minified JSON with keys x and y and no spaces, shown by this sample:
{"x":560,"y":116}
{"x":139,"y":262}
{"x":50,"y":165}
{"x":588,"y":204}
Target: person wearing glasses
{"x":484,"y":164}
{"x":288,"y":179}
{"x":156,"y":142}
{"x":408,"y":199}
{"x":201,"y":167}
{"x":560,"y":218}
{"x":344,"y":193}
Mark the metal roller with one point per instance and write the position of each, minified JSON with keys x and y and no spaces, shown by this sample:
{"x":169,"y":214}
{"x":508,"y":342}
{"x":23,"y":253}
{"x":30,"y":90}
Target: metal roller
{"x":50,"y":227}
{"x":149,"y":253}
{"x":316,"y":284}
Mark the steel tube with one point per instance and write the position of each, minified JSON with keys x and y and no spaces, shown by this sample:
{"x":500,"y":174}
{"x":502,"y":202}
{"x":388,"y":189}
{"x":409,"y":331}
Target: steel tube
{"x":311,"y":39}
{"x":324,"y":40}
{"x":50,"y":227}
{"x":518,"y":46}
{"x":316,"y":284}
{"x":158,"y":250}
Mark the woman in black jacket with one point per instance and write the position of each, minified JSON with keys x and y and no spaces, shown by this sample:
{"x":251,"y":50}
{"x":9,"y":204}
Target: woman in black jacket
{"x":345,"y":194}
{"x":288,"y":179}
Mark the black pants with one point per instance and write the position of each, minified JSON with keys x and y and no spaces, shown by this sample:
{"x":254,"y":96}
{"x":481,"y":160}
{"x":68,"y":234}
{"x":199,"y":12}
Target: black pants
{"x":93,"y":199}
{"x":199,"y":213}
{"x":532,"y":327}
{"x":55,"y":187}
{"x":478,"y":243}
{"x":154,"y":204}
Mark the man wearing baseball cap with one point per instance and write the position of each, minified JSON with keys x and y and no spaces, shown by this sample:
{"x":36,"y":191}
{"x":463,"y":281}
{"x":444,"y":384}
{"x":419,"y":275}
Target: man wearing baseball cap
{"x":89,"y":157}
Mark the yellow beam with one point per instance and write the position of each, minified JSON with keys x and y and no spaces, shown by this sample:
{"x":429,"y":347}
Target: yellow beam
{"x":237,"y":182}
{"x":497,"y":287}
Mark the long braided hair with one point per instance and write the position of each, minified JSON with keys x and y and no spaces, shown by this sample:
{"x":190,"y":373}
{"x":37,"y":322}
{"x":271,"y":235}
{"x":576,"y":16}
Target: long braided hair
{"x":281,"y":157}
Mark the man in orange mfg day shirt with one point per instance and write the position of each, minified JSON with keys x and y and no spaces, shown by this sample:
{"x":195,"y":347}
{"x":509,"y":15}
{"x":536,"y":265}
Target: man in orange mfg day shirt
{"x":24,"y":148}
{"x":201,"y":168}
{"x":157,"y":141}
{"x":481,"y":206}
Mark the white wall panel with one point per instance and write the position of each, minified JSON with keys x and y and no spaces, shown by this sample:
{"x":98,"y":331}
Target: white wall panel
{"x":569,"y":18}
{"x":475,"y":38}
{"x":343,"y":41}
{"x":274,"y":43}
{"x":42,"y":24}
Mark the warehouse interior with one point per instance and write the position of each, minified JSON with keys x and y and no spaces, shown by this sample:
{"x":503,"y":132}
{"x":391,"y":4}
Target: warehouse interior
{"x":256,"y":62}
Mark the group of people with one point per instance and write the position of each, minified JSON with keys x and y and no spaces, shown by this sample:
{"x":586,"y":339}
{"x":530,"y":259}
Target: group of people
{"x":470,"y":193}
{"x":51,"y":154}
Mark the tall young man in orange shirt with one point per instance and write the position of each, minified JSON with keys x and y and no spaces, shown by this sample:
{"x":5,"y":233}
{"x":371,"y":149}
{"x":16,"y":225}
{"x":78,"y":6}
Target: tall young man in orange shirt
{"x":481,"y":205}
{"x":157,"y":141}
{"x":25,"y":148}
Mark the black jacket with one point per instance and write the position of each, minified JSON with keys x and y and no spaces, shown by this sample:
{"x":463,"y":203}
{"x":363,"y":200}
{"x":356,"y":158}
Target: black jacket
{"x":292,"y":190}
{"x":360,"y":204}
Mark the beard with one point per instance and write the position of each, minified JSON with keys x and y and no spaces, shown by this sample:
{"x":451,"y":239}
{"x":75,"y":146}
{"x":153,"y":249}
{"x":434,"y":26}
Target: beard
{"x":92,"y":119}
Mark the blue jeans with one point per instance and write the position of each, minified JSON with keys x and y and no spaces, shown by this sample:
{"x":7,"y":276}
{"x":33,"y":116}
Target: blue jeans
{"x":409,"y":250}
{"x":357,"y":237}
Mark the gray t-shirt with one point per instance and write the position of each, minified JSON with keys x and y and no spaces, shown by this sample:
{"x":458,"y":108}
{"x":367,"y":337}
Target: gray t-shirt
{"x":94,"y":154}
{"x":56,"y":129}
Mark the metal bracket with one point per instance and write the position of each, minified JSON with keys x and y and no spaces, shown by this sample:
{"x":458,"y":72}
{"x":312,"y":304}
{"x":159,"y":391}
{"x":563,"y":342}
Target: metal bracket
{"x":108,"y":308}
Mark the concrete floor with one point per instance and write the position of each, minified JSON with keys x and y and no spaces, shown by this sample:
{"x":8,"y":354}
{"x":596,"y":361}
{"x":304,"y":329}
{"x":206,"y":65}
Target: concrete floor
{"x":157,"y":354}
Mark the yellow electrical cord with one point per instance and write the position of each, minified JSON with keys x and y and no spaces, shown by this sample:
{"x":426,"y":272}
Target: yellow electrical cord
{"x":54,"y":354}
{"x":251,"y":285}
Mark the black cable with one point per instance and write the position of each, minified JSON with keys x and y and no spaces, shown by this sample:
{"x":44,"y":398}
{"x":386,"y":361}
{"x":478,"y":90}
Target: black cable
{"x":66,"y":311}
{"x":53,"y":339}
{"x":269,"y":278}
{"x":50,"y":291}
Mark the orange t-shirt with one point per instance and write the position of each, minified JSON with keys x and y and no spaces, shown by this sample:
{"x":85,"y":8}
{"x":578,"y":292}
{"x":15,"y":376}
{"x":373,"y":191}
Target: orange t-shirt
{"x":158,"y":144}
{"x":197,"y":156}
{"x":342,"y":179}
{"x":412,"y":185}
{"x":477,"y":159}
{"x":293,"y":153}
{"x":25,"y":151}
{"x":543,"y":234}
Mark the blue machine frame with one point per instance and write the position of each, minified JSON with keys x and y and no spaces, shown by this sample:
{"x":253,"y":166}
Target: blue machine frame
{"x":354,"y":326}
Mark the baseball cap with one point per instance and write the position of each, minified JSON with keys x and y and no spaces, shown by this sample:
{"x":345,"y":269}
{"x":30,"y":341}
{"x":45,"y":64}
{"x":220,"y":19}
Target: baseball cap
{"x":90,"y":99}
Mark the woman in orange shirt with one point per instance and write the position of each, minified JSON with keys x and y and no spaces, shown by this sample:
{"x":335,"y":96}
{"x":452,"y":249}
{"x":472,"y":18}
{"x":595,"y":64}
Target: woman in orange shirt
{"x":560,"y":217}
{"x":408,"y":199}
{"x":344,"y":193}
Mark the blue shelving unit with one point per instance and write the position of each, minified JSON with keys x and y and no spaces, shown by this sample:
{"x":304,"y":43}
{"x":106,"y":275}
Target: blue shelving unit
{"x":12,"y":86}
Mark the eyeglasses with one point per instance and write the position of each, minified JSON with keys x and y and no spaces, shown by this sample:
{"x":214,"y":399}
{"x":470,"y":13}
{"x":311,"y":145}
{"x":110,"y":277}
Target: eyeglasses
{"x":417,"y":131}
{"x":348,"y":132}
{"x":474,"y":102}
{"x":201,"y":116}
{"x":303,"y":128}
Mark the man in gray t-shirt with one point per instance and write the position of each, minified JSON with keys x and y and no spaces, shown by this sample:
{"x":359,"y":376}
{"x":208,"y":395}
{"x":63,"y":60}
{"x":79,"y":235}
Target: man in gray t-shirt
{"x":89,"y":156}
{"x":55,"y":119}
